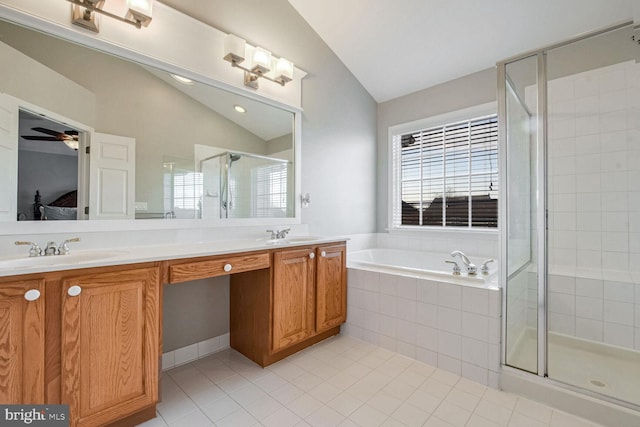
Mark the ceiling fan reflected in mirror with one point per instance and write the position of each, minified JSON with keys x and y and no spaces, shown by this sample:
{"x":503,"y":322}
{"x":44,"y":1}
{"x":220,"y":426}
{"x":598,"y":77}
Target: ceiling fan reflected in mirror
{"x":69,"y":137}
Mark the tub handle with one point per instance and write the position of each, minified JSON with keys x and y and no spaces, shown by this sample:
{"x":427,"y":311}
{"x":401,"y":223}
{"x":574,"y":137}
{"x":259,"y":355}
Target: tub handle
{"x":456,"y":267}
{"x":485,"y":266}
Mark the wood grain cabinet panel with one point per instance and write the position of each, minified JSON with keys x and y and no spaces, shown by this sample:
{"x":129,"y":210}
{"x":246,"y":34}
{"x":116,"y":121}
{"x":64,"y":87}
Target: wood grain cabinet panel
{"x":22,"y":342}
{"x":331,"y":287}
{"x":202,"y":269}
{"x":292,"y":297}
{"x":109,"y":344}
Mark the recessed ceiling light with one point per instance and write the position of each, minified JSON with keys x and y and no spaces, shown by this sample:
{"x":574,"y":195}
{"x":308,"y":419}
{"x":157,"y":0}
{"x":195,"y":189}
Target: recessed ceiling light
{"x":182,"y":80}
{"x":239,"y":109}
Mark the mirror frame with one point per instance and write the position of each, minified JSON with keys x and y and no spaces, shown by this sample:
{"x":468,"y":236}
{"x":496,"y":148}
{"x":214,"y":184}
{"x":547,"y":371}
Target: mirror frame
{"x":35,"y":23}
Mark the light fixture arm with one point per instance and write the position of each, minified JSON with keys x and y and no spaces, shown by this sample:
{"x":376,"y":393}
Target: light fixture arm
{"x":252,"y":76}
{"x":89,"y":6}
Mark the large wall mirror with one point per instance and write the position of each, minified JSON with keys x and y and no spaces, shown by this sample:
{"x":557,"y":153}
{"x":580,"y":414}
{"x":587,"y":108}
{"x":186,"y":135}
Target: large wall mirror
{"x":101,"y":137}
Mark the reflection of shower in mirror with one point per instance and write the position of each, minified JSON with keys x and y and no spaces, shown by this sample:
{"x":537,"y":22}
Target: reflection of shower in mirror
{"x":242,"y":184}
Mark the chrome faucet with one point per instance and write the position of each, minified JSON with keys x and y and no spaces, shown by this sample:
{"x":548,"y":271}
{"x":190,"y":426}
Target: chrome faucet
{"x":63,"y":249}
{"x":34,"y":250}
{"x":278,"y":234}
{"x":484,"y":268}
{"x":50,"y":249}
{"x":471,"y":268}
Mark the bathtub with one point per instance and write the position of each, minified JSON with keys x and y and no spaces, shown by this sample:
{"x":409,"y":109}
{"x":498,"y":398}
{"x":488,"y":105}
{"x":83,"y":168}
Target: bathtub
{"x":425,"y":265}
{"x":410,"y":302}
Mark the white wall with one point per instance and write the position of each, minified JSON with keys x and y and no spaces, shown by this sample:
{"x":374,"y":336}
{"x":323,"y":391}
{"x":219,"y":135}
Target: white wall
{"x":474,"y":89}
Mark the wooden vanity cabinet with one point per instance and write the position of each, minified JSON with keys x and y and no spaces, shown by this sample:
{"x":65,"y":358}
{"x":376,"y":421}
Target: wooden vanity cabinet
{"x":110,"y":341}
{"x":22,"y":341}
{"x":92,"y":342}
{"x":303,"y":303}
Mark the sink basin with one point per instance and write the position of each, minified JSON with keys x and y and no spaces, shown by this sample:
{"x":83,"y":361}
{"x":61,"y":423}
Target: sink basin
{"x":73,"y":258}
{"x":293,"y":239}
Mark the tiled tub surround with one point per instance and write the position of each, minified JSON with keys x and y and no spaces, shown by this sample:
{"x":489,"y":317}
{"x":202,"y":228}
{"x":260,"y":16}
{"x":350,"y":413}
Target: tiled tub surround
{"x":448,"y":325}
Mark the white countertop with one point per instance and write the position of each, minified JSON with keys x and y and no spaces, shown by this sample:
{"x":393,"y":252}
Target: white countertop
{"x":78,"y":258}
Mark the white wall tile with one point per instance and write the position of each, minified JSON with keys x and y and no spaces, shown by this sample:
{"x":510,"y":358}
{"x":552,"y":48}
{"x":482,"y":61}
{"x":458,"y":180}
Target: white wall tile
{"x":475,"y":326}
{"x":618,"y":312}
{"x":475,"y":300}
{"x":427,"y":291}
{"x":427,"y":337}
{"x":449,"y":344}
{"x":450,"y":320}
{"x":427,"y":314}
{"x":407,"y":309}
{"x":475,"y":352}
{"x":590,"y":308}
{"x":620,"y":335}
{"x":186,"y":354}
{"x":406,"y":288}
{"x":590,"y":329}
{"x":388,"y":305}
{"x":450,"y":295}
{"x":589,"y":287}
{"x":450,"y":364}
{"x":618,"y":291}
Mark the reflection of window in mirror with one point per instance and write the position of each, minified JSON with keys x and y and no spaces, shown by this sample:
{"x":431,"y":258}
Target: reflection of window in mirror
{"x":182,"y":190}
{"x":48,"y":165}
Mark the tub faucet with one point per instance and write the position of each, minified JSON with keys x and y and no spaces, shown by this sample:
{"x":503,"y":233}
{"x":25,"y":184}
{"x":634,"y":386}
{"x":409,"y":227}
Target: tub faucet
{"x":471,"y":268}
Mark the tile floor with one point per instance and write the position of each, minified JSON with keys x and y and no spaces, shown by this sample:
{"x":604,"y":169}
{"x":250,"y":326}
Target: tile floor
{"x":339,"y":382}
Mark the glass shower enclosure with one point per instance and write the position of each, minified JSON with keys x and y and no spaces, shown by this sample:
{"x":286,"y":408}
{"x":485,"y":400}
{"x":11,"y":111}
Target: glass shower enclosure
{"x":243,"y":185}
{"x":570,"y":230}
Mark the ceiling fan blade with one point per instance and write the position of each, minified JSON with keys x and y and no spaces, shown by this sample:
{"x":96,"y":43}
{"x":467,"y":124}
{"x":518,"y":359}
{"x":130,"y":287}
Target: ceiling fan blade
{"x":48,"y":131}
{"x":40,"y":138}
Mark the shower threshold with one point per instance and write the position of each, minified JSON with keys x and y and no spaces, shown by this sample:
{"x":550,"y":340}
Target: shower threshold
{"x":598,"y":367}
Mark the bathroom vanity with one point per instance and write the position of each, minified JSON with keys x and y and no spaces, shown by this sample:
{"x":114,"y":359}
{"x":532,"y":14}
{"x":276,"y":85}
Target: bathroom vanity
{"x":89,"y":335}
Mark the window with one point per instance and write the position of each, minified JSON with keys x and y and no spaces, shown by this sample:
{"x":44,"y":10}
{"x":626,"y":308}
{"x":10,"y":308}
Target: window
{"x":446,"y":175}
{"x":270,"y":183}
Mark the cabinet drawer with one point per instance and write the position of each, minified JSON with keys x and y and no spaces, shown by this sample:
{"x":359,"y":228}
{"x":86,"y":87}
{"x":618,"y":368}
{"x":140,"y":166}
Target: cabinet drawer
{"x":216,"y":267}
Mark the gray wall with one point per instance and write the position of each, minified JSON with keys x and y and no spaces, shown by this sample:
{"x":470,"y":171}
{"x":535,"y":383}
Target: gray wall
{"x":339,"y":118}
{"x":467,"y":91}
{"x":52,"y":174}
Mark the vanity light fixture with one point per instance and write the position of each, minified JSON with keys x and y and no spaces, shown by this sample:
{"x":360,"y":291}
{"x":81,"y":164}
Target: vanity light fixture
{"x":263,"y":65}
{"x":139,"y":13}
{"x":240,"y":109}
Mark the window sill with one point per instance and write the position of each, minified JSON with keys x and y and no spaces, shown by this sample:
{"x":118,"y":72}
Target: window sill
{"x":412,"y":230}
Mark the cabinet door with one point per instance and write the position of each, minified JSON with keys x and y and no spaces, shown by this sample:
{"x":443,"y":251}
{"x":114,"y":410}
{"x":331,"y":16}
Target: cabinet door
{"x":110,"y":339}
{"x":331,"y":287}
{"x":292,"y":297}
{"x":22,"y":342}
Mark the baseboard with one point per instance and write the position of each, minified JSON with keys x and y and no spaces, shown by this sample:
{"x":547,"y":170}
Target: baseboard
{"x":183,"y":355}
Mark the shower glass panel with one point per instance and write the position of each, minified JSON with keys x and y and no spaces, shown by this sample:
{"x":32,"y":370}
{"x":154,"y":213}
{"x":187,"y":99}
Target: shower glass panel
{"x":242,"y":185}
{"x":522,"y":206}
{"x":594,"y":214}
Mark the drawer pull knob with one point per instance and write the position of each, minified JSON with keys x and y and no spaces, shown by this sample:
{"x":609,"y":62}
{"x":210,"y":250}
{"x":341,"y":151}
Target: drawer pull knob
{"x":74,"y":291}
{"x":312,"y":255}
{"x":228,"y":267}
{"x":323,"y":254}
{"x":32,"y":295}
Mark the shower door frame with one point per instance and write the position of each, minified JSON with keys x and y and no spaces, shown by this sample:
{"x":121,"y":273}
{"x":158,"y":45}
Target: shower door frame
{"x":542,"y":208}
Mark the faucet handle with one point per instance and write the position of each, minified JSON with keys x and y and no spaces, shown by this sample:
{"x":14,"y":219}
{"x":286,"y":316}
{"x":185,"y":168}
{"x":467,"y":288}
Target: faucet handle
{"x":456,"y":267}
{"x":34,"y":250}
{"x":63,"y":249}
{"x":274,"y":234}
{"x":283,"y":233}
{"x":484,"y":268}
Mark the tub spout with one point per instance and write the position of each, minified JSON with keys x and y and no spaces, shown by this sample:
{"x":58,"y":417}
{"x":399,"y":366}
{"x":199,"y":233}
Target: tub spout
{"x":471,"y":268}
